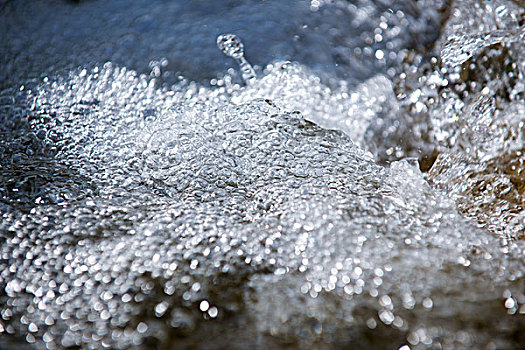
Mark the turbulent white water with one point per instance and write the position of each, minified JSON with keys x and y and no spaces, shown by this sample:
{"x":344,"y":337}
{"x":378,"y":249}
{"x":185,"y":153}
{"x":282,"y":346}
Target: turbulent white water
{"x":287,"y":213}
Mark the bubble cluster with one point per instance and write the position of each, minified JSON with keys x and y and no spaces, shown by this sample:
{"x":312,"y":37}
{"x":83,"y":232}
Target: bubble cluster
{"x":208,"y":210}
{"x":471,"y":103}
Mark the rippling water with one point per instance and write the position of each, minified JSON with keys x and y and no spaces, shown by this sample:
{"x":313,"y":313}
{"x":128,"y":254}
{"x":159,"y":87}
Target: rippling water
{"x":361,"y":189}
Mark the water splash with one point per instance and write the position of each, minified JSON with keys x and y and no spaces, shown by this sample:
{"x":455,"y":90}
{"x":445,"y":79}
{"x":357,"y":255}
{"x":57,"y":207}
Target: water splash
{"x":177,"y":213}
{"x":459,"y":48}
{"x":232,"y":46}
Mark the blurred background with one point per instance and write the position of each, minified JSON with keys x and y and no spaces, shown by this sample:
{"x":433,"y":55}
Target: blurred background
{"x":43,"y":37}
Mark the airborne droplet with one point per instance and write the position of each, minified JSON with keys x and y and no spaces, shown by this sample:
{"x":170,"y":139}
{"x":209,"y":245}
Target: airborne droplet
{"x":232,"y":46}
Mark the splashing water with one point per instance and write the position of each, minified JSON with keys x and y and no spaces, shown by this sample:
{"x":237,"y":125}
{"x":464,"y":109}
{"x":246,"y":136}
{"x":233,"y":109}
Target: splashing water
{"x":459,"y":49}
{"x":231,"y":46}
{"x":140,"y":214}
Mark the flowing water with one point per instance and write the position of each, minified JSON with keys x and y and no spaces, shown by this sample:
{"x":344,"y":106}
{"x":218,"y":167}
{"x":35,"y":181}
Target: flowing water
{"x":344,"y":174}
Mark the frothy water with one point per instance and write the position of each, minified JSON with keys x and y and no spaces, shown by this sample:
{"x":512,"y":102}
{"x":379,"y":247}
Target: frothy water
{"x":298,"y":210}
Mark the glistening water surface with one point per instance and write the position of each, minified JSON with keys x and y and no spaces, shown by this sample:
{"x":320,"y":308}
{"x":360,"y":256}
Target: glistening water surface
{"x":348,"y":175}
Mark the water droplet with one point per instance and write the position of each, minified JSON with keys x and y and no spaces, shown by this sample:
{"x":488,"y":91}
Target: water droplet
{"x":428,"y":303}
{"x":33,"y":328}
{"x":204,"y":306}
{"x":232,"y":46}
{"x":142,"y":327}
{"x":161,"y":308}
{"x":213,"y":312}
